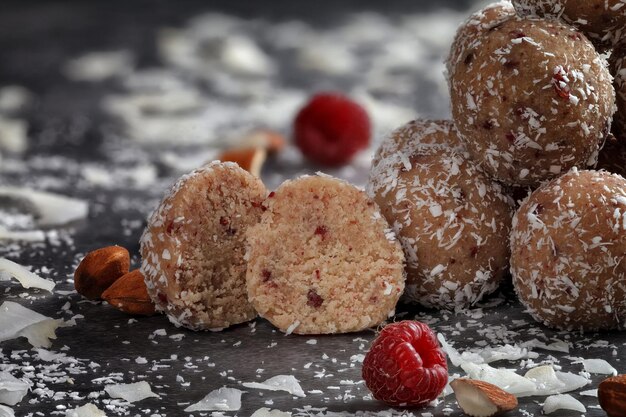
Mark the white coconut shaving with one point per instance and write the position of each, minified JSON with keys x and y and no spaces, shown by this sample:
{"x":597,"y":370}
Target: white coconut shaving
{"x":223,"y":399}
{"x":485,"y":355}
{"x":134,"y":392}
{"x":50,"y":209}
{"x":279,"y":383}
{"x":22,"y":235}
{"x":19,"y":321}
{"x":590,"y":393}
{"x":14,"y":98}
{"x":24,"y":276}
{"x":503,"y":378}
{"x":13,"y":135}
{"x":548,"y":381}
{"x":98,"y":66}
{"x":562,"y":402}
{"x":266,"y":412}
{"x":6,"y":411}
{"x":12,"y":390}
{"x":87,"y":410}
{"x":599,"y":366}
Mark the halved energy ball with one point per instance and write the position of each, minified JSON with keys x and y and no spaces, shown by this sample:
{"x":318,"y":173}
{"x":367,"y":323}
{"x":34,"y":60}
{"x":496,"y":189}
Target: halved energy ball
{"x":603,"y":21}
{"x":323,"y":260}
{"x":567,"y":249}
{"x":450,"y":218}
{"x":531,"y":99}
{"x":194,"y":245}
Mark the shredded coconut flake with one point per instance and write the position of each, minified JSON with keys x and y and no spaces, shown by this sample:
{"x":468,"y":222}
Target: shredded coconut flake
{"x":131,"y":392}
{"x":279,"y":383}
{"x":18,"y":321}
{"x":562,"y":402}
{"x":24,"y":276}
{"x":223,"y":399}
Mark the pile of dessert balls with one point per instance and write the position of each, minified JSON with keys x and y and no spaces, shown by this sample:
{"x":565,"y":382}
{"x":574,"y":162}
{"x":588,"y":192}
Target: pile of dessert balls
{"x":532,"y":103}
{"x":450,"y":207}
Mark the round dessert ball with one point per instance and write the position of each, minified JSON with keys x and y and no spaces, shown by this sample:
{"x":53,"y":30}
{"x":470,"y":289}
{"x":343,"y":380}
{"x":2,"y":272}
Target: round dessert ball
{"x":532,"y":99}
{"x":567,"y":248}
{"x":323,"y":260}
{"x":194,"y":246}
{"x":603,"y":21}
{"x":450,"y":218}
{"x":472,"y":29}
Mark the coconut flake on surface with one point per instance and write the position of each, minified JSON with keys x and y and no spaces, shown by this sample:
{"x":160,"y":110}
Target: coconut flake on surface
{"x":98,"y":66}
{"x":13,"y":135}
{"x":12,"y":390}
{"x":22,"y":235}
{"x":223,"y":399}
{"x":50,"y":209}
{"x":599,"y":366}
{"x":590,"y":393}
{"x":548,"y":381}
{"x":557,"y":346}
{"x":279,"y":383}
{"x":87,"y":410}
{"x":266,"y":412}
{"x":6,"y":411}
{"x":562,"y":402}
{"x":24,"y":276}
{"x":504,"y":378}
{"x":131,"y":392}
{"x":19,"y":321}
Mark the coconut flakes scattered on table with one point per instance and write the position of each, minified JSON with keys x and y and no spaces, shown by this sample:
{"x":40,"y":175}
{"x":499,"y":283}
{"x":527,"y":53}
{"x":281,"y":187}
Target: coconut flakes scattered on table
{"x":50,"y":209}
{"x":19,"y":321}
{"x":24,"y":276}
{"x":266,"y":412}
{"x":6,"y":411}
{"x":599,"y":366}
{"x":12,"y":390}
{"x":134,"y":392}
{"x":223,"y":399}
{"x":279,"y":383}
{"x":504,"y":378}
{"x":87,"y":410}
{"x":562,"y":402}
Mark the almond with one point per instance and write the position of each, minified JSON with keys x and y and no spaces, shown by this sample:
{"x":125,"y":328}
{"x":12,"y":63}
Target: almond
{"x":250,"y":159}
{"x":130,"y":295}
{"x":612,"y":396}
{"x":267,"y":139}
{"x":99,"y":269}
{"x":482,"y":399}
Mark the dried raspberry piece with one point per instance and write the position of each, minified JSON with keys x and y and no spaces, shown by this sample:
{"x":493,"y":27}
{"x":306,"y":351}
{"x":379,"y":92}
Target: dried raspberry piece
{"x":331,"y":129}
{"x":405,"y":365}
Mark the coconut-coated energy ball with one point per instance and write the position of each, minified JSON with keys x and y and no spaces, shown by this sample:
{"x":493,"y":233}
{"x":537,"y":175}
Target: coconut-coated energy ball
{"x":478,"y":23}
{"x":567,"y":252}
{"x":450,"y":218}
{"x":531,"y":99}
{"x":194,"y":245}
{"x":603,"y":21}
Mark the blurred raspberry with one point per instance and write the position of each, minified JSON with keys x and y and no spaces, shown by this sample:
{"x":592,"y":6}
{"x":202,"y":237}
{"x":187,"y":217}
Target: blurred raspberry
{"x":405,"y":366}
{"x":331,"y":129}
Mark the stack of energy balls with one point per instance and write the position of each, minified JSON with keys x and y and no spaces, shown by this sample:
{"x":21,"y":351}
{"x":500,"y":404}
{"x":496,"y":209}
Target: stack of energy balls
{"x":533,"y":101}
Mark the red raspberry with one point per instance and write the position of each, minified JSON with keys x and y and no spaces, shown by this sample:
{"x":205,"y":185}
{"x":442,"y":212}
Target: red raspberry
{"x":331,"y":129}
{"x":405,"y":365}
